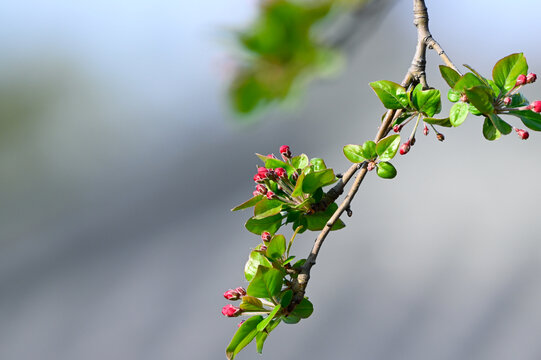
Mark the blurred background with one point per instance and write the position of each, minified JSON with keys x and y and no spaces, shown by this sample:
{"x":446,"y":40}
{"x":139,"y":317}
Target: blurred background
{"x":121,"y":156}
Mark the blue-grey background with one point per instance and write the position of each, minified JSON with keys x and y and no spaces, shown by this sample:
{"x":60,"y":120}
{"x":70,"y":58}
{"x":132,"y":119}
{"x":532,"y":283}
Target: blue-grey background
{"x":120,"y":160}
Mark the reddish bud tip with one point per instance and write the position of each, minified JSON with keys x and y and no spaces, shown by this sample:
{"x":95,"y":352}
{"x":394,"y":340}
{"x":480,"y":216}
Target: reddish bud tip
{"x":371,"y":165}
{"x":231,"y":294}
{"x":507,"y":101}
{"x":425,"y":130}
{"x":257,"y":178}
{"x":256,"y":193}
{"x":521,"y":80}
{"x":531,"y":78}
{"x":241,"y":291}
{"x":404,"y":148}
{"x":271,"y":156}
{"x":261,"y":189}
{"x":397,"y":128}
{"x":464,"y":98}
{"x":263,"y":172}
{"x":263,"y":248}
{"x":280,"y":172}
{"x":523,"y":134}
{"x":266,"y":236}
{"x":231,"y":311}
{"x":270,"y":195}
{"x":285,"y":151}
{"x":440,"y":137}
{"x":535,"y":106}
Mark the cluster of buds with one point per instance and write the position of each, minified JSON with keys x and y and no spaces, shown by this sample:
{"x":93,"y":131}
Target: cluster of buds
{"x":525,"y":79}
{"x":233,"y":294}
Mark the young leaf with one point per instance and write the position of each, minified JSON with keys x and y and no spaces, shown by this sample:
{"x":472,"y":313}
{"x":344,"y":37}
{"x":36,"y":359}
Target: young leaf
{"x":254,"y":261}
{"x":387,"y":147}
{"x":501,"y":125}
{"x":317,"y":179}
{"x":440,"y":122}
{"x":453,"y":95}
{"x":507,"y":70}
{"x":300,"y":162}
{"x":489,"y":131}
{"x":458,"y":113}
{"x":298,"y":185}
{"x":317,"y":221}
{"x":481,"y":98}
{"x":354,"y":153}
{"x":531,"y":119}
{"x":449,"y":75}
{"x":304,"y":309}
{"x":248,"y":203}
{"x":386,"y":170}
{"x":518,"y":100}
{"x":318,"y":164}
{"x":392,"y":95}
{"x":485,"y":81}
{"x":276,"y":247}
{"x":263,"y":324}
{"x":244,"y":335}
{"x":250,"y":303}
{"x":266,"y":208}
{"x":260,"y":340}
{"x":467,"y":81}
{"x":270,"y":224}
{"x":266,"y":283}
{"x":368,"y":150}
{"x":427,"y":101}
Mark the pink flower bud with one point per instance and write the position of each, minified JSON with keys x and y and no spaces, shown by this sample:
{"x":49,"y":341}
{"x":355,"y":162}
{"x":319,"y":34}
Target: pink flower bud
{"x":285,"y":151}
{"x":258,"y":178}
{"x":266,"y":236}
{"x":507,"y":101}
{"x":523,"y":134}
{"x":263,"y":248}
{"x":280,"y":172}
{"x":535,"y":106}
{"x":464,"y":98}
{"x":231,"y":294}
{"x":271,"y":156}
{"x":256,"y":193}
{"x":261,"y":189}
{"x":425,"y":130}
{"x":397,"y":128}
{"x":521,"y":80}
{"x":231,"y":311}
{"x":262,"y":172}
{"x":531,"y":78}
{"x":271,"y":195}
{"x":404,"y":148}
{"x":241,"y":291}
{"x":371,"y":165}
{"x":440,"y":136}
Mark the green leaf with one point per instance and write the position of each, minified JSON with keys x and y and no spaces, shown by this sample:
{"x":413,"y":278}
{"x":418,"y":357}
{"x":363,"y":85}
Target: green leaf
{"x":354,"y":153}
{"x":531,"y":119}
{"x":453,"y":95}
{"x":317,"y":179}
{"x":266,"y":283}
{"x":368,"y":150}
{"x":298,"y":185}
{"x":254,"y":261}
{"x":318,"y":164}
{"x":260,"y":340}
{"x":386,"y":170}
{"x":449,"y":75}
{"x":266,"y":208}
{"x":474,"y":111}
{"x":507,"y":70}
{"x":458,"y":113}
{"x":387,"y":147}
{"x":271,"y":163}
{"x":289,"y":259}
{"x":440,"y":122}
{"x":468,"y":81}
{"x":317,"y":221}
{"x":481,"y":98}
{"x":392,"y":95}
{"x":286,"y":298}
{"x":485,"y":81}
{"x":244,"y":335}
{"x":262,"y":325}
{"x":250,"y":303}
{"x":427,"y":101}
{"x":300,"y":162}
{"x":276,"y":247}
{"x":248,"y":203}
{"x":501,"y":125}
{"x":518,"y":100}
{"x":291,"y":319}
{"x":304,"y":309}
{"x":489,"y":131}
{"x":270,"y":224}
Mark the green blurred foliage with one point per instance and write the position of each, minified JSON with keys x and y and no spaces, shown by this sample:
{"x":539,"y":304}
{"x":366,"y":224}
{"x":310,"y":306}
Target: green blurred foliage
{"x":284,"y":49}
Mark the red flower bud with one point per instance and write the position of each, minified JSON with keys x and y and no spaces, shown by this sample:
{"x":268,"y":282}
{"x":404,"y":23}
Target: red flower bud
{"x":440,"y":136}
{"x":258,"y":178}
{"x":397,"y":128}
{"x":531,"y":78}
{"x":241,"y":291}
{"x":261,"y":189}
{"x":521,"y":80}
{"x":284,"y":150}
{"x":404,"y":148}
{"x":266,"y":236}
{"x":523,"y":134}
{"x":280,"y":172}
{"x":256,"y":193}
{"x":231,"y":294}
{"x":425,"y":130}
{"x":262,"y":172}
{"x":535,"y":106}
{"x":464,"y":98}
{"x":507,"y":101}
{"x":231,"y":311}
{"x":271,"y":195}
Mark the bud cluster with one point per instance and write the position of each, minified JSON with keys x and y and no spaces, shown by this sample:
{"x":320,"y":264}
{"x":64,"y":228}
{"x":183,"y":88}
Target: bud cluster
{"x":233,"y":294}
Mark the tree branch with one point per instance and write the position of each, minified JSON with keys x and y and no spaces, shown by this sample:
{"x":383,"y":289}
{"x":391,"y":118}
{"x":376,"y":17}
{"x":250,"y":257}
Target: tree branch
{"x":416,"y":74}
